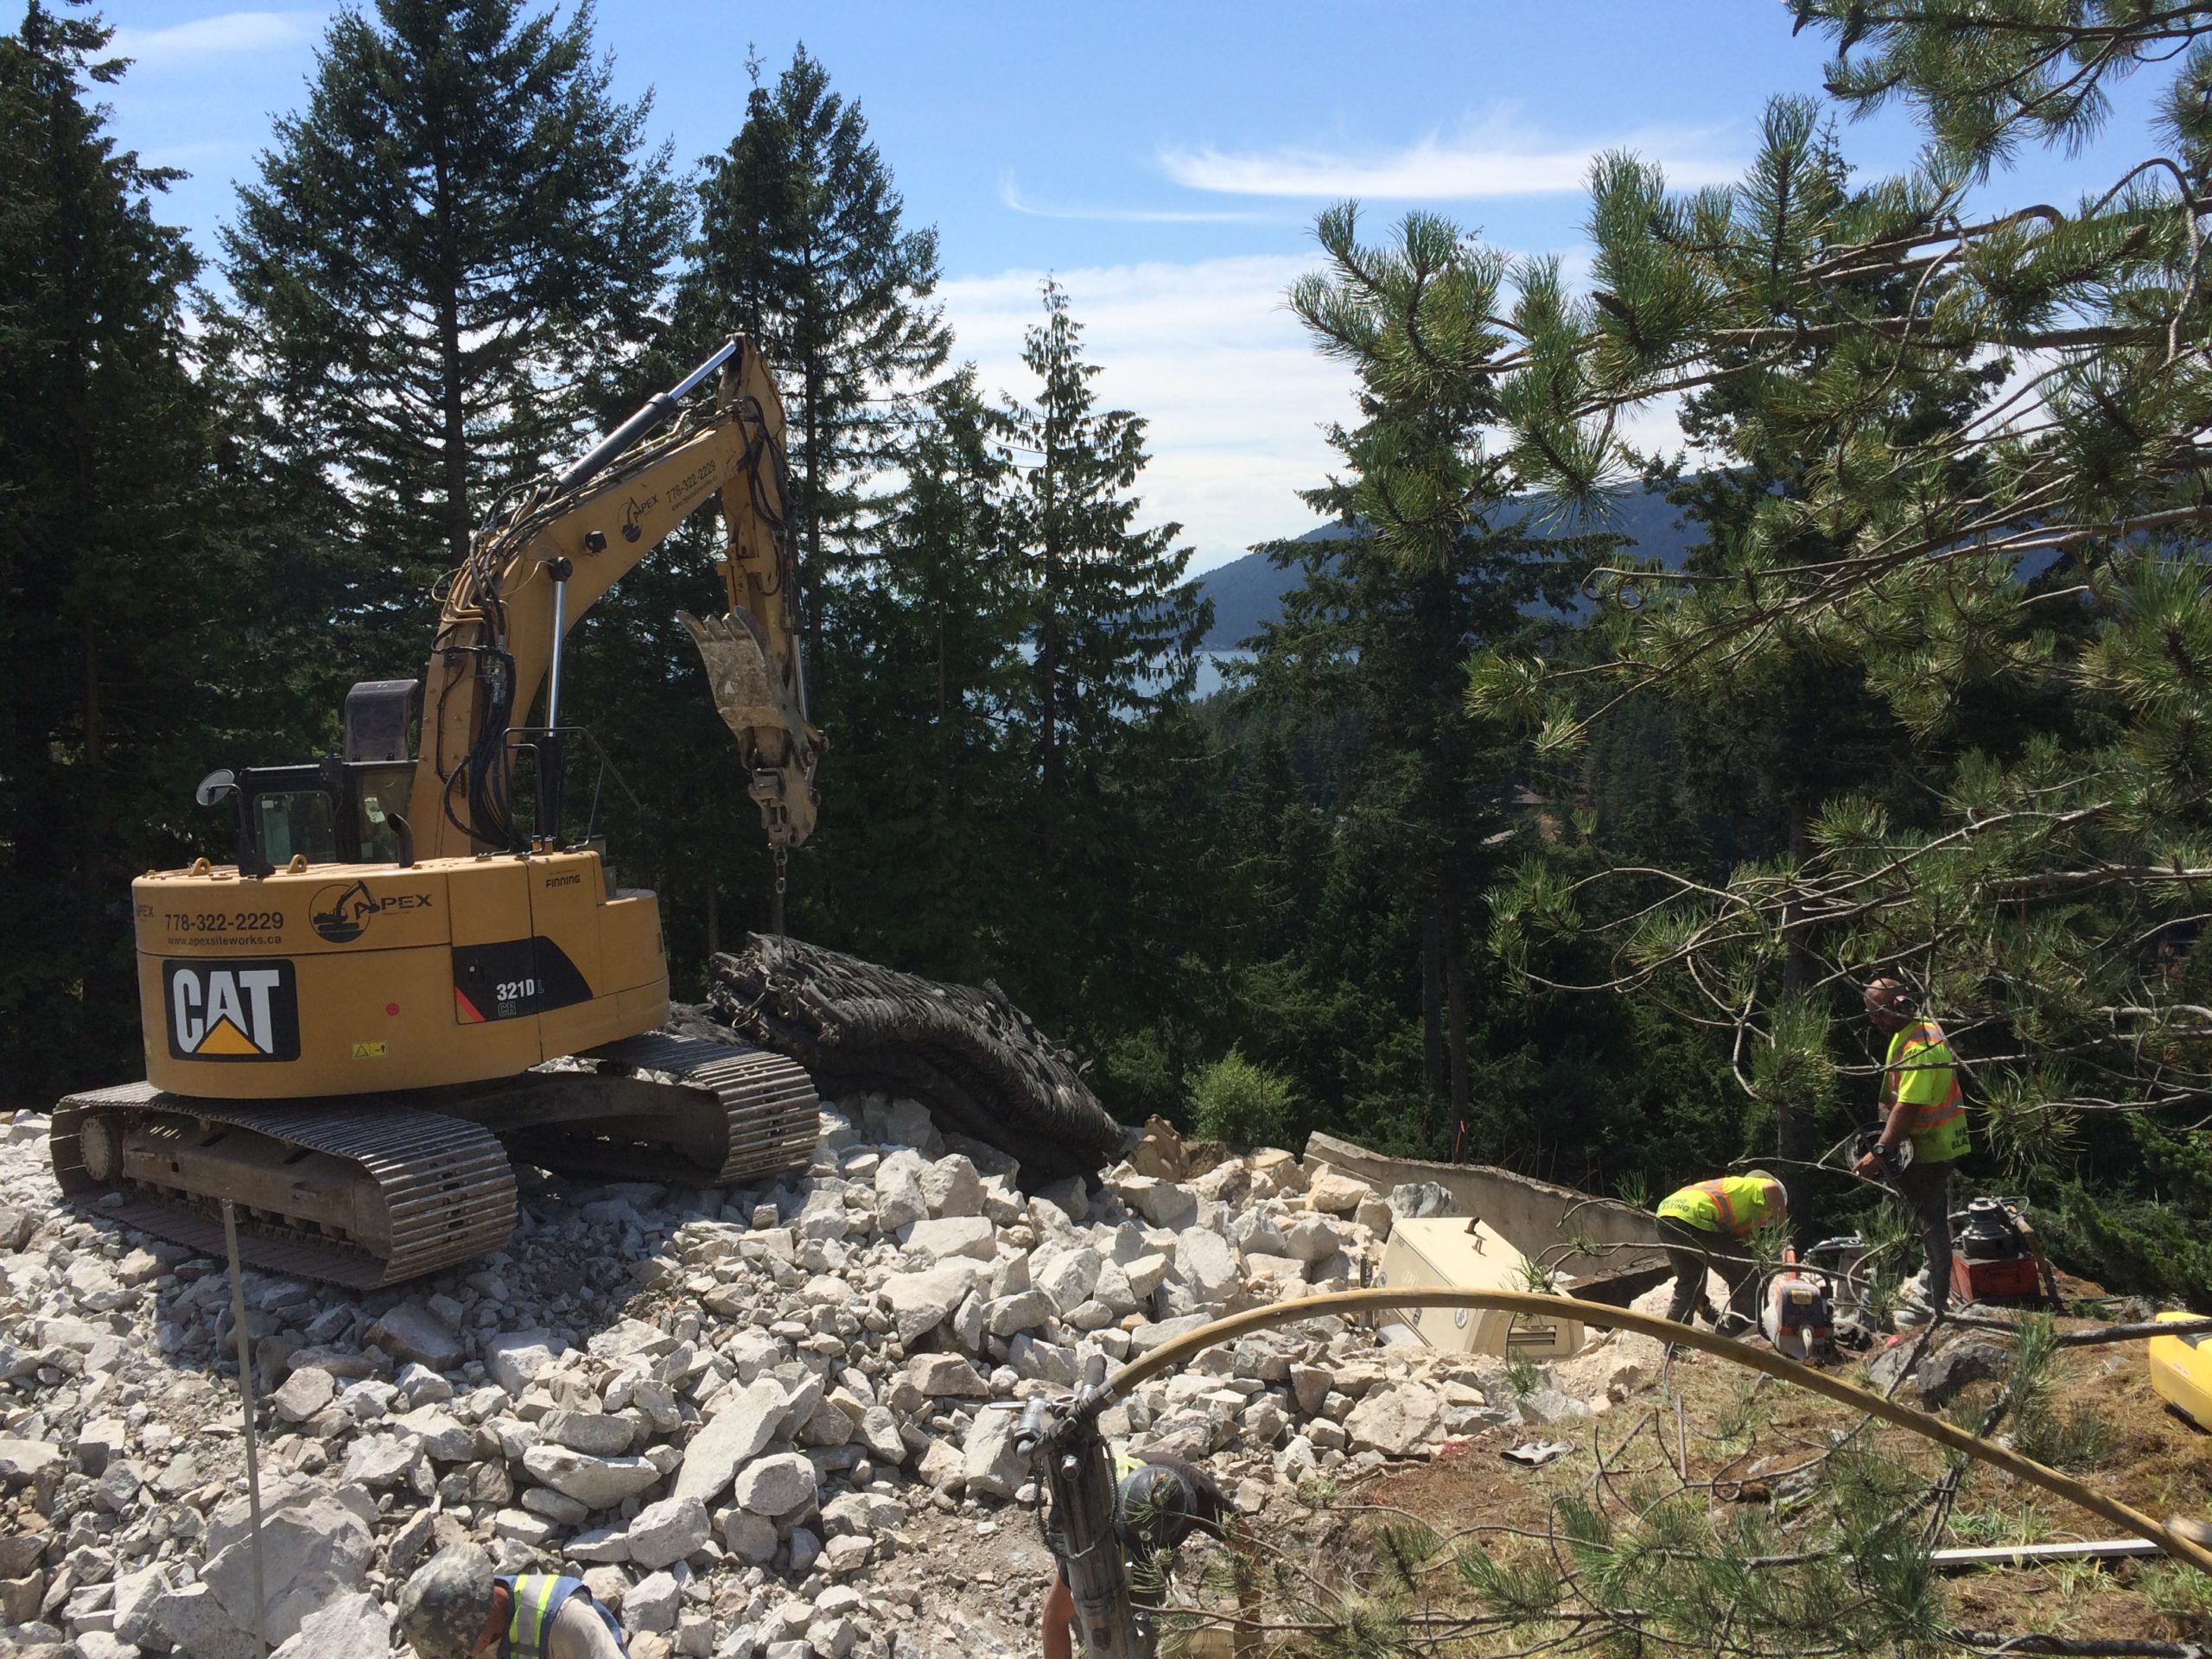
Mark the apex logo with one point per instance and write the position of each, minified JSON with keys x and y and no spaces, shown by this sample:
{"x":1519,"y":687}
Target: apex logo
{"x":231,"y":1011}
{"x":342,"y":912}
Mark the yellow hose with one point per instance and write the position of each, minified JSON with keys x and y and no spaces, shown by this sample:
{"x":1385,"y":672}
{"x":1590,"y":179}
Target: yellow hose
{"x":1170,"y":1356}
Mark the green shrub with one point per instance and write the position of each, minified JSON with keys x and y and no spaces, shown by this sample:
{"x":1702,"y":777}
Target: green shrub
{"x":1242,"y":1103}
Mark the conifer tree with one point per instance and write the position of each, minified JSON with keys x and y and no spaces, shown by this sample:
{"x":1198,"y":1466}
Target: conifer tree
{"x":443,"y":258}
{"x":112,"y":583}
{"x":801,"y":245}
{"x":1113,"y":626}
{"x":1112,"y":632}
{"x":1436,"y":565}
{"x":2021,"y":578}
{"x":926,"y":777}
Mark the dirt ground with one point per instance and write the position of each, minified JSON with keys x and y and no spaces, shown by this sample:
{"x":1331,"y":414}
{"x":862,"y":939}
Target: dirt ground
{"x":2157,"y":1462}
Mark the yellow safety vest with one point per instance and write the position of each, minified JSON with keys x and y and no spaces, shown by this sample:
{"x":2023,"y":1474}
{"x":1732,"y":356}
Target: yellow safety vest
{"x":1923,"y":1073}
{"x":1734,"y":1204}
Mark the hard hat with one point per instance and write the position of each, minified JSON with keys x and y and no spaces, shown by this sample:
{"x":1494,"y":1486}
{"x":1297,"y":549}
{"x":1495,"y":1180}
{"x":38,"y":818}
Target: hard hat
{"x":1774,"y":1181}
{"x":445,"y":1604}
{"x":1154,"y":1508}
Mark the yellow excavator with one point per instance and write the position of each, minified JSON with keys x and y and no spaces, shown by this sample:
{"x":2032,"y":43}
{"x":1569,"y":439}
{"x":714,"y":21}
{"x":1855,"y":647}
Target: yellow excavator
{"x":392,"y":987}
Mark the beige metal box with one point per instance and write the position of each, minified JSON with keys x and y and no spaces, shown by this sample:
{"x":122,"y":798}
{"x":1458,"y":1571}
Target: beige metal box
{"x":1456,"y":1253}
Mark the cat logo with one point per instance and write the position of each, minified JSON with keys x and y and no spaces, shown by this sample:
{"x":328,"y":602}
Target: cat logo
{"x":233,"y":1011}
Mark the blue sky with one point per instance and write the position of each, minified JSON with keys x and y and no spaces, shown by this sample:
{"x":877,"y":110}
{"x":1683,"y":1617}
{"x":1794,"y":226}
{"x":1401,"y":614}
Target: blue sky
{"x":1165,"y":160}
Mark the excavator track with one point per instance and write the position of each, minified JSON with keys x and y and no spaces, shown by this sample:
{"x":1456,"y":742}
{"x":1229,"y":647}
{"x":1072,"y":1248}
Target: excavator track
{"x":370,"y":1190}
{"x":655,"y":1108}
{"x":359,"y":1192}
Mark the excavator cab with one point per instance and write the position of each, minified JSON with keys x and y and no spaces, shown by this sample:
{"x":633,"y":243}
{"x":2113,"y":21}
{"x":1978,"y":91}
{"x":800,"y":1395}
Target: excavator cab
{"x":348,"y":810}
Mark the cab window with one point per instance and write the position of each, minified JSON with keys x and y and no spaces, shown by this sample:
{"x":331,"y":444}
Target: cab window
{"x":295,"y":822}
{"x":383,"y":795}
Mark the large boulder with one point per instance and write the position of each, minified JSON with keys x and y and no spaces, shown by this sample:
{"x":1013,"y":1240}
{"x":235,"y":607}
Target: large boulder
{"x":412,"y":1331}
{"x":920,"y":1302}
{"x":664,"y":1532}
{"x":1332,"y":1192}
{"x":776,"y":1486}
{"x":1207,"y":1264}
{"x":991,"y":1463}
{"x":23,"y":1461}
{"x":595,"y":1483}
{"x":353,"y":1627}
{"x":952,"y":1187}
{"x":899,"y":1201}
{"x":1950,"y":1368}
{"x":195,"y":1623}
{"x":1396,"y":1421}
{"x":315,"y":1544}
{"x":307,"y":1391}
{"x":942,"y":1238}
{"x":597,"y":1434}
{"x":734,"y":1438}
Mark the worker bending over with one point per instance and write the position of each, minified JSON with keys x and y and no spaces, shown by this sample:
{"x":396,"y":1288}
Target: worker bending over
{"x":1921,"y":1103}
{"x":1695,"y":1220}
{"x":1158,"y":1501}
{"x":456,"y":1607}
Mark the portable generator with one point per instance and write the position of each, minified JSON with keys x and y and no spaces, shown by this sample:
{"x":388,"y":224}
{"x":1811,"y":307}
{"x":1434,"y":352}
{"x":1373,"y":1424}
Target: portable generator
{"x":1996,"y":1256}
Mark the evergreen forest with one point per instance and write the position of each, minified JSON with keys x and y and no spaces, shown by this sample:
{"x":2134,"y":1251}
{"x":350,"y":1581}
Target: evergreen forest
{"x":1503,"y":843}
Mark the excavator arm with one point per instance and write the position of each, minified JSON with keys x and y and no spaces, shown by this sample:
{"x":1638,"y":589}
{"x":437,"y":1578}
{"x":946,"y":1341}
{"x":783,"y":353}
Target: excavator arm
{"x":531,"y":576}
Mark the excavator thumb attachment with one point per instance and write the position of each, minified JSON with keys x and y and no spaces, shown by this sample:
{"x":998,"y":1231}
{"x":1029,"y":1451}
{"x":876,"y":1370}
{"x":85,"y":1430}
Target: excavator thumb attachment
{"x":778,"y":746}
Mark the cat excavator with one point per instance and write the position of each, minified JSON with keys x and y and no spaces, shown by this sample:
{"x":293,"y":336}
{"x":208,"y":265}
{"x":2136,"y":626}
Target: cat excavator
{"x":392,"y":990}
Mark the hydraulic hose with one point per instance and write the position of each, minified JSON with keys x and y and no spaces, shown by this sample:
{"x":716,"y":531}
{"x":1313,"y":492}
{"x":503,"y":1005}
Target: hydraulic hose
{"x":1173,"y":1355}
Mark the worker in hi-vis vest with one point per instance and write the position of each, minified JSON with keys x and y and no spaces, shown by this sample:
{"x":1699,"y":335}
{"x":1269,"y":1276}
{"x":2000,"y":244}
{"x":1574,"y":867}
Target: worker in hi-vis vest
{"x":1922,"y":1106}
{"x":456,"y":1607}
{"x":1709,"y":1226}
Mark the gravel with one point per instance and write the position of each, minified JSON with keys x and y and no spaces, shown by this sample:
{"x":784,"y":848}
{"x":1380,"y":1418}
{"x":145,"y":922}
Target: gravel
{"x":773,"y":1420}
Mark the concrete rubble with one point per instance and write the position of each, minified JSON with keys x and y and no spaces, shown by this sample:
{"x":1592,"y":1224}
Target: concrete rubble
{"x":774,"y":1421}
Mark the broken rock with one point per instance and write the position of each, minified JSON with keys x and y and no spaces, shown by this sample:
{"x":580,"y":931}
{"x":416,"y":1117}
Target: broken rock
{"x":735,"y":1436}
{"x":315,"y":1542}
{"x":776,"y":1486}
{"x":410,"y":1331}
{"x":1397,"y":1421}
{"x":514,"y":1359}
{"x":991,"y":1462}
{"x":307,"y":1391}
{"x":664,"y":1532}
{"x":352,"y":1627}
{"x":595,"y":1483}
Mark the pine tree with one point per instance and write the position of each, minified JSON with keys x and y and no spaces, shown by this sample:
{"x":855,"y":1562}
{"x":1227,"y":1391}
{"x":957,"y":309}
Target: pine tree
{"x":800,"y":245}
{"x":1112,"y":632}
{"x":1438,"y":564}
{"x":925,"y":772}
{"x":114,"y":590}
{"x":1113,"y":626}
{"x":2020,"y":578}
{"x":441,"y":260}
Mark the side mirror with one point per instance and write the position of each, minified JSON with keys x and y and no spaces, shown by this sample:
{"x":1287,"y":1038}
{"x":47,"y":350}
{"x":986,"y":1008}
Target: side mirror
{"x":215,"y":785}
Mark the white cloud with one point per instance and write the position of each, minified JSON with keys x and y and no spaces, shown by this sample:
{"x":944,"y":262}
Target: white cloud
{"x":1210,"y":356}
{"x":1493,"y":159}
{"x":1235,"y":396}
{"x":225,"y":34}
{"x":1010,"y":197}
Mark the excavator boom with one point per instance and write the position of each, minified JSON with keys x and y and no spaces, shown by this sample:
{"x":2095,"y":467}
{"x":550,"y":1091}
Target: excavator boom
{"x":529,"y":579}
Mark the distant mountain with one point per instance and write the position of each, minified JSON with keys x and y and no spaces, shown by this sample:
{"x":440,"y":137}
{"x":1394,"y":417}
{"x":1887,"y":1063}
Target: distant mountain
{"x":1249,"y":592}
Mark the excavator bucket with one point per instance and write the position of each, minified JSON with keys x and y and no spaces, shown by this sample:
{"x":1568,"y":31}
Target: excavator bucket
{"x":778,"y":745}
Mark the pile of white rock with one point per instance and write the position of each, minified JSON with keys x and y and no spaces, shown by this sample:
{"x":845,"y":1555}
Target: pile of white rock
{"x":757,"y":1422}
